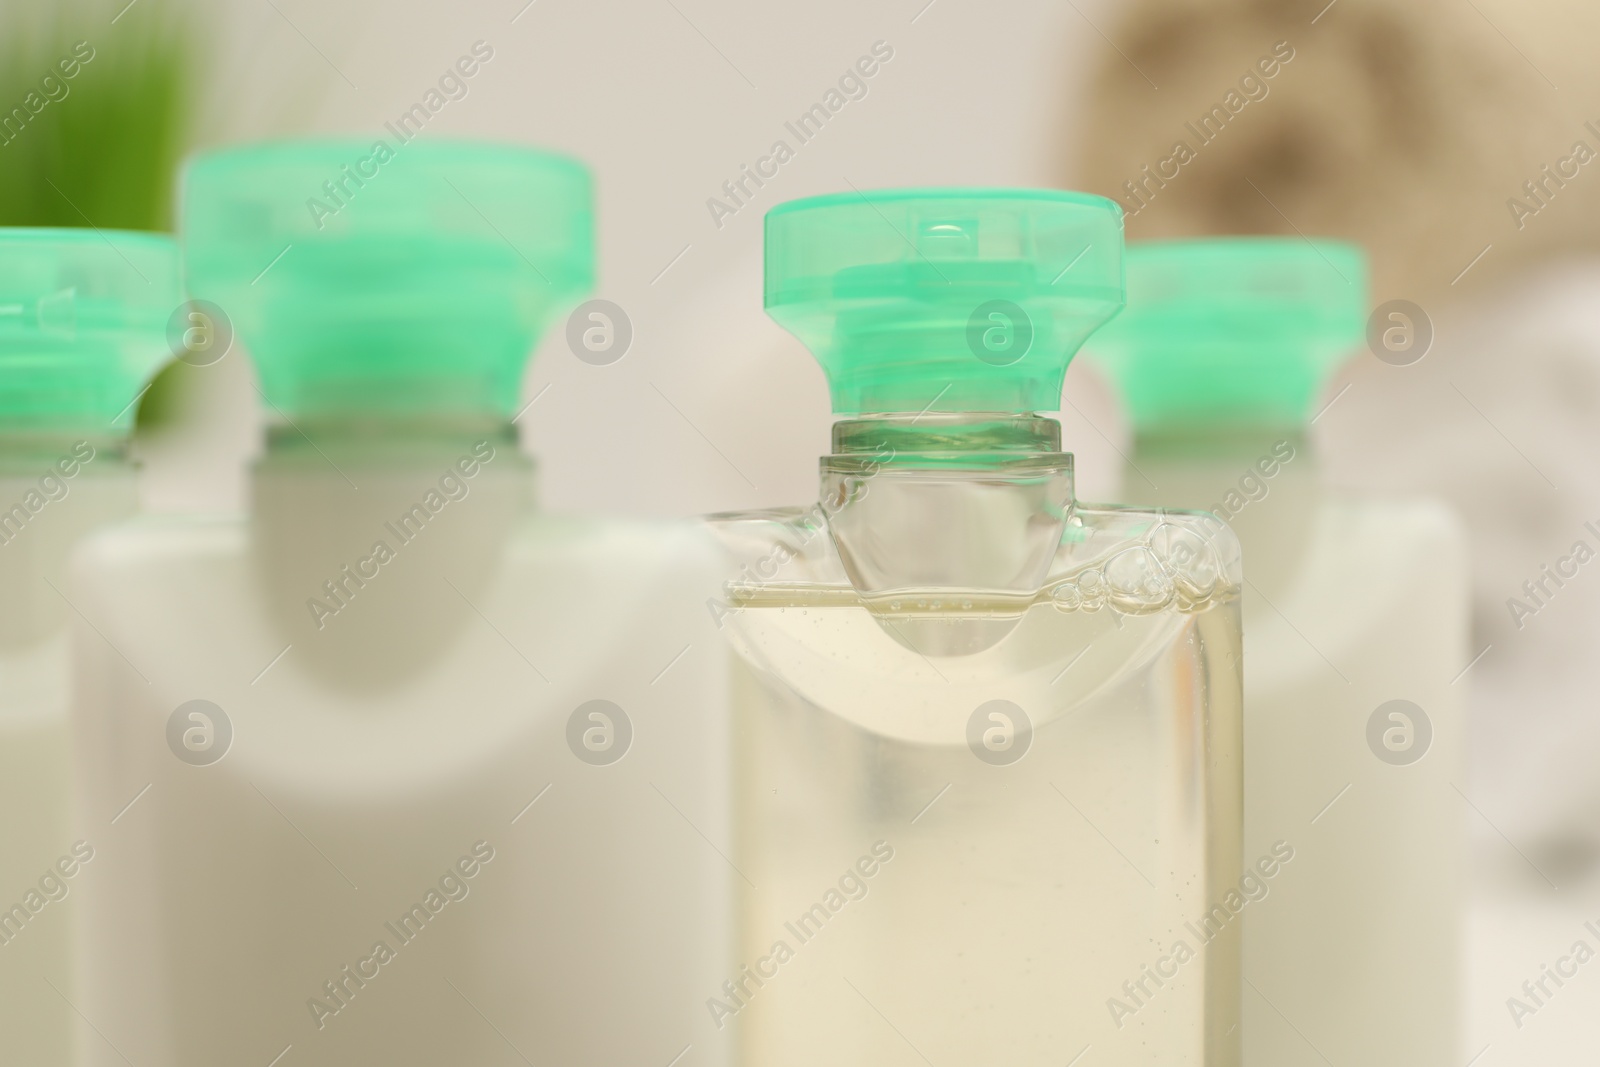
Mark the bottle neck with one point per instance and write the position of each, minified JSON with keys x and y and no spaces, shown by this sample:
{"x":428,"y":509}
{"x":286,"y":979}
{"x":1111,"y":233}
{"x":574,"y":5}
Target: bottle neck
{"x":990,"y":441}
{"x":358,"y":471}
{"x":26,"y":455}
{"x":1225,"y":468}
{"x":972,"y":501}
{"x":372,"y":540}
{"x":375,"y":439}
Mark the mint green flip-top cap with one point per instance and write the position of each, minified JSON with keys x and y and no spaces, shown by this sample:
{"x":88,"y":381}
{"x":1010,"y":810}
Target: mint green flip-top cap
{"x":1241,"y":330}
{"x":388,"y":278}
{"x":83,"y":324}
{"x":944,"y":299}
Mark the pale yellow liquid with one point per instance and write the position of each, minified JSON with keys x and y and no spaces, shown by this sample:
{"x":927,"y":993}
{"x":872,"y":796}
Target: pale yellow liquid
{"x":1020,"y":897}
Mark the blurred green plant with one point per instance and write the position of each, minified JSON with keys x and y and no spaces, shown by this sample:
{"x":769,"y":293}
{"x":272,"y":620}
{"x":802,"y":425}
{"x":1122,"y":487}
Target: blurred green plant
{"x":100,"y":147}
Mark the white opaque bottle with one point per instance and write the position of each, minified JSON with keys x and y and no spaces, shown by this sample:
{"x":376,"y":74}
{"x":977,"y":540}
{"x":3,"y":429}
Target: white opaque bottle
{"x":987,"y":736}
{"x":411,"y":772}
{"x":82,"y":321}
{"x":1355,"y":622}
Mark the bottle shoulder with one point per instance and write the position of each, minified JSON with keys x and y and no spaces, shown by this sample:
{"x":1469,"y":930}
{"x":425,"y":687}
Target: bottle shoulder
{"x":620,"y":546}
{"x":1132,"y":521}
{"x":1401,"y":519}
{"x":1137,"y":558}
{"x":164,"y":537}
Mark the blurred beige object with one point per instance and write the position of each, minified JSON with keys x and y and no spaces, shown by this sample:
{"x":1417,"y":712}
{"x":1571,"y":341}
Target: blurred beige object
{"x":1405,"y":128}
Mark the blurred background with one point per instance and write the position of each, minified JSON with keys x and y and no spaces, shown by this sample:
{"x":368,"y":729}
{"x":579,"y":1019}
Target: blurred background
{"x":1453,"y":138}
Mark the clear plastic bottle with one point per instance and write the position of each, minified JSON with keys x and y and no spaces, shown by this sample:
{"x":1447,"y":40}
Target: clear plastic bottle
{"x":1355,"y":621}
{"x":408,"y":771}
{"x":83,"y":319}
{"x":986,"y":736}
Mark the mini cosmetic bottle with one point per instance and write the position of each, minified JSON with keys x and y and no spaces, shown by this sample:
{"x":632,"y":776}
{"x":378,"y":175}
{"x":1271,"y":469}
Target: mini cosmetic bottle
{"x":83,"y":323}
{"x":987,"y":736}
{"x":405,"y":770}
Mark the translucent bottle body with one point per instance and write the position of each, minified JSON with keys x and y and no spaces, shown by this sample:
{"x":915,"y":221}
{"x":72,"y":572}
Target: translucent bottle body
{"x":969,"y":820}
{"x":422,"y":841}
{"x":52,"y":492}
{"x":1355,"y":619}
